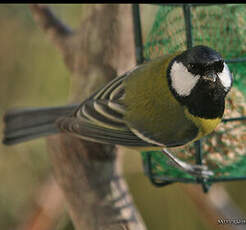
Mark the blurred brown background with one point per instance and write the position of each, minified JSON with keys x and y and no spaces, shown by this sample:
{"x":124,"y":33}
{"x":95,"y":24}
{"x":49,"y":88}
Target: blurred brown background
{"x":33,"y":74}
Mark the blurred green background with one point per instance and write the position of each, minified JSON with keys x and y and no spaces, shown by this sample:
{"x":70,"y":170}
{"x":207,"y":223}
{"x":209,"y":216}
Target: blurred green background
{"x":33,"y":74}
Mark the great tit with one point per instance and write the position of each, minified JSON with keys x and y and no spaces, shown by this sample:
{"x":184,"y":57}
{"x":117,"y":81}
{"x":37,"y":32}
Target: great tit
{"x":167,"y":102}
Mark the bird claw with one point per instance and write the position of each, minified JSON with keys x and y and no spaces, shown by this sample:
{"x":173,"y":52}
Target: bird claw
{"x":200,"y":171}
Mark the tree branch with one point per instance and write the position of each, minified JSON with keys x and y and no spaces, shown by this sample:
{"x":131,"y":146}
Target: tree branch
{"x":51,"y":25}
{"x":89,"y":173}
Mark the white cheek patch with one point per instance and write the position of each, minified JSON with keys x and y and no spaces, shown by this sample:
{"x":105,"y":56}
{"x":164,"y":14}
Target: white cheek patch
{"x":225,"y":77}
{"x":182,"y":81}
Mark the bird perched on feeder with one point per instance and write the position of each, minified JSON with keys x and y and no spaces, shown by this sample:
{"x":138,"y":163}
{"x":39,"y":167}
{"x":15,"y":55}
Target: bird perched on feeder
{"x":167,"y":102}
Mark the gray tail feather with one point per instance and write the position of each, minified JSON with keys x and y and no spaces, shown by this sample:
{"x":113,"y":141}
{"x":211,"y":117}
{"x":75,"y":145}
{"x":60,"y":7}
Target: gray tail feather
{"x":30,"y":123}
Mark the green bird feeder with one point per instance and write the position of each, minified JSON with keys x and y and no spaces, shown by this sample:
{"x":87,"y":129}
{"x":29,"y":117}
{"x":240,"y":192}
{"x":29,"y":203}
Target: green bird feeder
{"x":222,"y":27}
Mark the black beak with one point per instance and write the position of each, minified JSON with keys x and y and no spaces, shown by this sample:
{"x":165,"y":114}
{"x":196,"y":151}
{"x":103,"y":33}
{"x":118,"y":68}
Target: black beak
{"x":211,"y":77}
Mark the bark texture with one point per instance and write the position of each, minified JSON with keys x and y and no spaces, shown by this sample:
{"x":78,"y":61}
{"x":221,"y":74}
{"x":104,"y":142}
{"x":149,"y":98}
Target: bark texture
{"x":88,"y":173}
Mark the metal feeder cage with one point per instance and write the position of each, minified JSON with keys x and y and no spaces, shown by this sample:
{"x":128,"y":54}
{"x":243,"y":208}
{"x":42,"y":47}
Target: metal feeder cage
{"x":183,"y":14}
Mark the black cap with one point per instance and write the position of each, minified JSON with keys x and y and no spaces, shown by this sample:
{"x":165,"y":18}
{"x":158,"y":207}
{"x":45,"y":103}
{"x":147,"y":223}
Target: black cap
{"x":201,"y":60}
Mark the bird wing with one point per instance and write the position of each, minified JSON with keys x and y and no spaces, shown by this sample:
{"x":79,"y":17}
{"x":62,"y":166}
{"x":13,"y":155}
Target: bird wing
{"x":100,"y":118}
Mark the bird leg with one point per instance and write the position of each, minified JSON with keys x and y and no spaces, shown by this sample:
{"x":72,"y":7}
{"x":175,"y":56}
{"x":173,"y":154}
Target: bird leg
{"x":194,"y":170}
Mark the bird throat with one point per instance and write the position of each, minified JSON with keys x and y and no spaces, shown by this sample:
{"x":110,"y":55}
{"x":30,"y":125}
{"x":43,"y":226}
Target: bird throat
{"x":207,"y":100}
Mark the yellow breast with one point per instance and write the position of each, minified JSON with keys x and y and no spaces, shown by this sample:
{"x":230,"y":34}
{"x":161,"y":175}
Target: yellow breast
{"x":205,"y":126}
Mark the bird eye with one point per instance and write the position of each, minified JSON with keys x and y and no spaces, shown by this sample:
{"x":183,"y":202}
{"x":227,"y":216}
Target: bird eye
{"x":219,"y":66}
{"x":195,"y":69}
{"x":191,"y":66}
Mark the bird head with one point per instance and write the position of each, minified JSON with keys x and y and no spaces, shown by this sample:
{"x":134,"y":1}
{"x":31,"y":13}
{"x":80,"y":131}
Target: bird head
{"x":199,"y":75}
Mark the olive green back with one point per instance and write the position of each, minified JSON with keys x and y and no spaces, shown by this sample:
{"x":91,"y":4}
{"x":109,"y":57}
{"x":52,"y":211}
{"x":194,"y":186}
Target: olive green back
{"x":151,"y":107}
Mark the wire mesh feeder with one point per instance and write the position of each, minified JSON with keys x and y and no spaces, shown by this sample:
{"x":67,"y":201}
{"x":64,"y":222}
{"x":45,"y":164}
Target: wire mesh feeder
{"x":222,"y":27}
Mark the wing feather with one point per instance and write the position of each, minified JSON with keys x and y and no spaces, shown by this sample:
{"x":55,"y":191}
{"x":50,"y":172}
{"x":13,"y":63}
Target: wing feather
{"x":92,"y":132}
{"x":101,"y":118}
{"x":91,"y":113}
